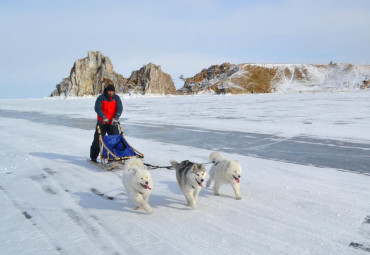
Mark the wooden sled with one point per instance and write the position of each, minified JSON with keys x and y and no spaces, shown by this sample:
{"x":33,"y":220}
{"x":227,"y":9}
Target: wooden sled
{"x":114,"y":149}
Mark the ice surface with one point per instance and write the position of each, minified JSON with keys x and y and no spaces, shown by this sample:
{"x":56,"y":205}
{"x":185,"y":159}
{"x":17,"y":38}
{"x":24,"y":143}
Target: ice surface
{"x":49,"y":207}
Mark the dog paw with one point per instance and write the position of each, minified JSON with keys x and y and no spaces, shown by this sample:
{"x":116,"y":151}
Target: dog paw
{"x":238,"y":198}
{"x":217,"y":194}
{"x":138,"y":208}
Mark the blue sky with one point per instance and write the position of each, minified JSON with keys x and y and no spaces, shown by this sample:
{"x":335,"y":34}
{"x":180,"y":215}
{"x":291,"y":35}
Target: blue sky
{"x":41,"y":39}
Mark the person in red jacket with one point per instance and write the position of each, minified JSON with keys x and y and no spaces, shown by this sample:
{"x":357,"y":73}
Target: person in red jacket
{"x":108,"y":106}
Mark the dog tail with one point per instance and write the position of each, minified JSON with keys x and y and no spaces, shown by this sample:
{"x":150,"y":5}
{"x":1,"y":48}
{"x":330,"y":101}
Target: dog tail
{"x":132,"y":162}
{"x":174,"y":163}
{"x":216,"y":157}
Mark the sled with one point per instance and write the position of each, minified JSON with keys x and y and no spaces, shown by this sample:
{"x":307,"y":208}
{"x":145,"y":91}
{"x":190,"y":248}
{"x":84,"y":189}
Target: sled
{"x":114,"y":149}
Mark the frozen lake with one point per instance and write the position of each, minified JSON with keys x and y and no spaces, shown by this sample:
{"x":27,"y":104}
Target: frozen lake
{"x":303,"y":150}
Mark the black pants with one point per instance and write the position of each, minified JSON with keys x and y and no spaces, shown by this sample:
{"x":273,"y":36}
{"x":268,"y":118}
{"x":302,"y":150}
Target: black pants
{"x":110,"y":129}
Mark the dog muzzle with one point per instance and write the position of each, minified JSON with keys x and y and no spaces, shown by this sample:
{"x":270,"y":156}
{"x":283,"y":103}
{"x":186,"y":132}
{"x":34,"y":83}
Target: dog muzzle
{"x":146,"y":186}
{"x":237,"y":178}
{"x":199,"y":183}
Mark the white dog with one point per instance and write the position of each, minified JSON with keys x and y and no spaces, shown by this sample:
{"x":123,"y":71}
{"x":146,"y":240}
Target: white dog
{"x":138,"y":183}
{"x":190,"y":177}
{"x":224,"y":171}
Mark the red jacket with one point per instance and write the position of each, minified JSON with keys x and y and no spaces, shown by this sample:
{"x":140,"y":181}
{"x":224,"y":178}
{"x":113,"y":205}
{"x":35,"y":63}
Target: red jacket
{"x":108,"y":108}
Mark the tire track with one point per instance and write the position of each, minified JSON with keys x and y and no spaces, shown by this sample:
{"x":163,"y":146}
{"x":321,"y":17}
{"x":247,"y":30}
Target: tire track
{"x":136,"y":234}
{"x":97,"y":232}
{"x":25,"y":211}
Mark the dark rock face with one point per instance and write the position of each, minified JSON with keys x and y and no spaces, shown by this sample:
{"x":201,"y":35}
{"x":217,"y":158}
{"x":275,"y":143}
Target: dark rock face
{"x":365,"y":84}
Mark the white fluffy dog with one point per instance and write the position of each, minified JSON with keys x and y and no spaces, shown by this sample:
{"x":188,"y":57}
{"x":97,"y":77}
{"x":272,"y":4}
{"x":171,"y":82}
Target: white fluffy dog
{"x":224,"y":171}
{"x":138,"y":183}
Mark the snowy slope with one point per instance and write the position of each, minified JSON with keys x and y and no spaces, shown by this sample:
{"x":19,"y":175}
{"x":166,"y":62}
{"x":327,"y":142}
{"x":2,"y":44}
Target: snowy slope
{"x":321,"y":78}
{"x":282,"y":78}
{"x":51,"y":203}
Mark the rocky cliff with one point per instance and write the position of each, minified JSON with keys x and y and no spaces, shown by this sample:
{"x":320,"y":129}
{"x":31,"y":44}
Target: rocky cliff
{"x":266,"y":78}
{"x":90,"y":75}
{"x":150,"y":79}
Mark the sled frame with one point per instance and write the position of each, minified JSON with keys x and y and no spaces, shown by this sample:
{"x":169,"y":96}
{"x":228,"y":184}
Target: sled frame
{"x":111,"y":161}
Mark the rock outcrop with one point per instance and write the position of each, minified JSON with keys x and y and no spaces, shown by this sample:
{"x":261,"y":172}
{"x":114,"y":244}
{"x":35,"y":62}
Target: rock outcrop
{"x":150,"y":79}
{"x":210,"y":79}
{"x":266,"y":78}
{"x":365,"y":84}
{"x":90,"y":75}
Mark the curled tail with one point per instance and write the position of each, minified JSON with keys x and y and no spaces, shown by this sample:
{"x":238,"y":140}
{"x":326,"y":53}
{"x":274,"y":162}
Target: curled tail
{"x":216,"y":157}
{"x":132,"y":162}
{"x":174,"y":163}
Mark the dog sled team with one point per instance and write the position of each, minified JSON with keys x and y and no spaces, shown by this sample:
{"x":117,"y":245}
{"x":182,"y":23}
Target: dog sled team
{"x":190,"y":176}
{"x":113,"y":148}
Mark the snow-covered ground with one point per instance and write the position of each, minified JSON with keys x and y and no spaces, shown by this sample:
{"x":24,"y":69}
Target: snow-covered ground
{"x":54,"y":202}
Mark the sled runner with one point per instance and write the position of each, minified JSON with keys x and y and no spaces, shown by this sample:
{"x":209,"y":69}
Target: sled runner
{"x":114,"y":149}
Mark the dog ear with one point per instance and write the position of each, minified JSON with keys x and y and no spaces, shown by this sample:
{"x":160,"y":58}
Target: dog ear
{"x":194,"y":168}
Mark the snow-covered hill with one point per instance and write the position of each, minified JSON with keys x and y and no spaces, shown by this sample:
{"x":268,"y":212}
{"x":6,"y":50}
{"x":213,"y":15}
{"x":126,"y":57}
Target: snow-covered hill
{"x":281,"y":78}
{"x":54,"y":202}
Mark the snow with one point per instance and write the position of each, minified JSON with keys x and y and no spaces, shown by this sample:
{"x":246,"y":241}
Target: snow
{"x":312,"y":114}
{"x":48,"y":206}
{"x":339,"y":77}
{"x":335,"y":77}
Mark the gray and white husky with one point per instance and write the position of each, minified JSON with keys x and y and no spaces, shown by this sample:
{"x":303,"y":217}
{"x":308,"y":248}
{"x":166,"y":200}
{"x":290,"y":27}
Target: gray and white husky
{"x":224,"y":171}
{"x":190,"y":177}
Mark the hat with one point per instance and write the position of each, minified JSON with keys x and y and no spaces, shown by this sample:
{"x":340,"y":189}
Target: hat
{"x":110,"y":87}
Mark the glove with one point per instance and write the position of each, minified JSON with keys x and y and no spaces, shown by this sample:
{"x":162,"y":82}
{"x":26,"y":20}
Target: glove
{"x":105,"y":121}
{"x":115,"y":121}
